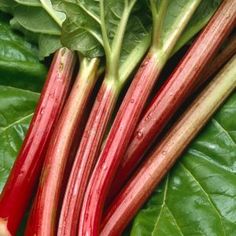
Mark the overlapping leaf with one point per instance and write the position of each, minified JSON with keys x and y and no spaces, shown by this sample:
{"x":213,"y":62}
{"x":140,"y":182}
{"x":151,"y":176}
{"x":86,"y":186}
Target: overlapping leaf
{"x":82,"y":28}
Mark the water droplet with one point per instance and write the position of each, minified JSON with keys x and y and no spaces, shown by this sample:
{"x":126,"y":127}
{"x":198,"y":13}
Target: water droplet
{"x":139,"y":134}
{"x":132,"y":101}
{"x":163,"y":153}
{"x":42,"y":111}
{"x":144,"y":64}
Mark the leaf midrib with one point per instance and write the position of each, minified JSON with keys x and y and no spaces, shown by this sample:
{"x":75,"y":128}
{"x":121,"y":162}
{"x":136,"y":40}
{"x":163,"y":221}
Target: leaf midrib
{"x":206,"y":194}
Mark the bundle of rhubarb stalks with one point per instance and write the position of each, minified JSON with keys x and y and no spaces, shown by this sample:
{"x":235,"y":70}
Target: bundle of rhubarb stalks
{"x":110,"y":124}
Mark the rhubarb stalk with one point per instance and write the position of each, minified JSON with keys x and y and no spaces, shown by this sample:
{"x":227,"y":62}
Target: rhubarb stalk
{"x":225,"y":54}
{"x":136,"y":192}
{"x":42,"y":219}
{"x":128,"y":116}
{"x":178,"y":87}
{"x":115,"y":77}
{"x":16,"y":195}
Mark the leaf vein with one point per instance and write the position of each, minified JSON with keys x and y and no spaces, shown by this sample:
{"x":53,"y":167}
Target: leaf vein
{"x":209,"y":159}
{"x":206,"y":194}
{"x":222,"y":129}
{"x":163,"y":204}
{"x":3,"y":129}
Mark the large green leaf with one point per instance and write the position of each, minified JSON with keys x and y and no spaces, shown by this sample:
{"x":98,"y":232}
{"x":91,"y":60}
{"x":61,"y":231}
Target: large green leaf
{"x":198,"y":197}
{"x":16,"y":110}
{"x":40,"y":19}
{"x":19,"y":64}
{"x":82,"y":28}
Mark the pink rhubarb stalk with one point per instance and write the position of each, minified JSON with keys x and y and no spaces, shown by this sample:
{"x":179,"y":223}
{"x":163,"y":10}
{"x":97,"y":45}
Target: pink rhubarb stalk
{"x":85,"y":158}
{"x":224,"y":55}
{"x":16,"y":195}
{"x":126,"y":120}
{"x":136,"y":192}
{"x":43,"y":216}
{"x":177,"y":88}
{"x":116,"y":75}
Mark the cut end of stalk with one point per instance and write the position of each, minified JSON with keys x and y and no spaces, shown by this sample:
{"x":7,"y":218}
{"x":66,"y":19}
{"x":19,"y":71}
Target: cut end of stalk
{"x":3,"y":228}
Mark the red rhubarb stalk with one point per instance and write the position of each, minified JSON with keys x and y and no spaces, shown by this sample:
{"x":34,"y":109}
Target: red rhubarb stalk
{"x":136,"y":192}
{"x":85,"y":157}
{"x":127,"y":118}
{"x":16,"y":195}
{"x":43,"y":215}
{"x":177,"y":88}
{"x":116,"y":75}
{"x":224,"y":55}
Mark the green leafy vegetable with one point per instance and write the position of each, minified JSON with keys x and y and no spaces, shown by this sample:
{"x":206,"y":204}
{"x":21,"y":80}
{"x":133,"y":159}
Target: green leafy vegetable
{"x":16,"y":110}
{"x":93,"y":27}
{"x":19,"y":64}
{"x":200,"y":18}
{"x":199,"y":195}
{"x":40,"y":19}
{"x":36,"y":19}
{"x":81,"y":30}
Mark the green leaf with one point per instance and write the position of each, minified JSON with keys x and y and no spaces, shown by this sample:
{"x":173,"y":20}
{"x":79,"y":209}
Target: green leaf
{"x":198,"y":197}
{"x":19,"y":64}
{"x":110,"y":27}
{"x":76,"y":34}
{"x":16,"y":110}
{"x":7,"y":5}
{"x":48,"y":44}
{"x":37,"y":20}
{"x":198,"y":21}
{"x":57,"y":16}
{"x":177,"y":11}
{"x":35,"y":3}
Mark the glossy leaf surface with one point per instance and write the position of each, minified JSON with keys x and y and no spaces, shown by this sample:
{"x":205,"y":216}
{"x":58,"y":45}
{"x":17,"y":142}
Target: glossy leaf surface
{"x":19,"y":63}
{"x":37,"y":20}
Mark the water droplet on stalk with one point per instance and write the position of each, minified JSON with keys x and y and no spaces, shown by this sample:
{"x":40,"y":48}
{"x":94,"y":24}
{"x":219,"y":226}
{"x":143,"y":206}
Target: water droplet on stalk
{"x":42,"y":111}
{"x":139,"y":134}
{"x":163,"y":153}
